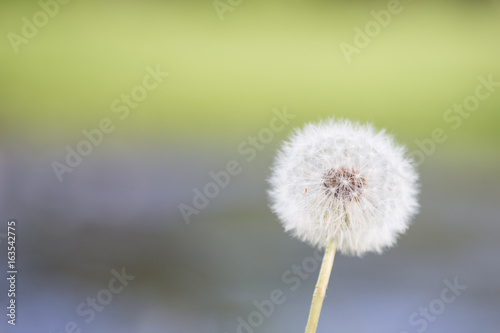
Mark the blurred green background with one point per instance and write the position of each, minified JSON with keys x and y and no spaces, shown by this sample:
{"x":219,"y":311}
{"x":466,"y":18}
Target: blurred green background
{"x":226,"y":75}
{"x":120,"y":206}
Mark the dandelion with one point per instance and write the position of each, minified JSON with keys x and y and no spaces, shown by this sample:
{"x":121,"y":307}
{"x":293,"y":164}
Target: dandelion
{"x":346,"y":186}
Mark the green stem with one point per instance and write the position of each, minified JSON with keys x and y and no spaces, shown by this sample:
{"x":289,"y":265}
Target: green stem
{"x":321,"y":285}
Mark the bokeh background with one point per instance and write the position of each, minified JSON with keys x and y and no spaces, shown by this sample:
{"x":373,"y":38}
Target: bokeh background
{"x":120,"y":207}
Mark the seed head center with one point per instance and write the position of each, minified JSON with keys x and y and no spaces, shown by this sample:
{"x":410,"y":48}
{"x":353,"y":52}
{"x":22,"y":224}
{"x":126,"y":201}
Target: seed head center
{"x":343,"y":183}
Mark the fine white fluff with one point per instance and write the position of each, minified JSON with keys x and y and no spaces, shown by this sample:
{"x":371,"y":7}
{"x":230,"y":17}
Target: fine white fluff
{"x":384,"y":191}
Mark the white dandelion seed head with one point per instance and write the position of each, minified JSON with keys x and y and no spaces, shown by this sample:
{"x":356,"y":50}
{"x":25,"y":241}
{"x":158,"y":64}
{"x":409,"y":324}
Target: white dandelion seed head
{"x":347,"y":181}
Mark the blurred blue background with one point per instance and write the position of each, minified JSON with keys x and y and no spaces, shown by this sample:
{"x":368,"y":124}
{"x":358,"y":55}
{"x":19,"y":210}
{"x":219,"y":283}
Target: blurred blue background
{"x":82,"y":71}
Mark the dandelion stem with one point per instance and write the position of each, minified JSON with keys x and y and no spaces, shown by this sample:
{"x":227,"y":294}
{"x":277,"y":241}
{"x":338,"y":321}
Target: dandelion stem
{"x":321,"y":285}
